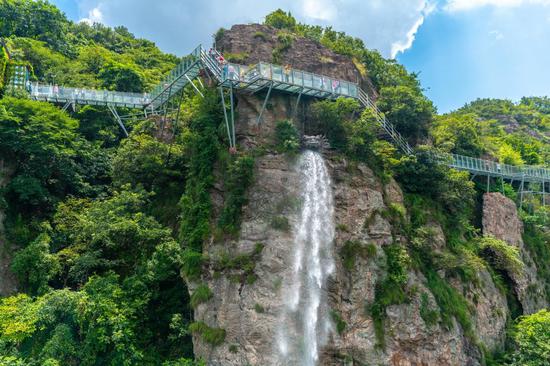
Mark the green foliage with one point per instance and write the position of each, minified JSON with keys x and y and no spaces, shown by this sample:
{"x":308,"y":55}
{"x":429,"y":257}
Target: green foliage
{"x":280,"y":223}
{"x":355,"y":249}
{"x":260,"y":35}
{"x":502,"y":256}
{"x":34,"y":266}
{"x":240,"y":267}
{"x":213,"y":336}
{"x":336,"y":119}
{"x":536,"y":237}
{"x":391,"y":290}
{"x":200,"y":295}
{"x":120,"y":77}
{"x":259,"y":308}
{"x":507,"y":155}
{"x":238,"y":58}
{"x":3,"y":64}
{"x":411,"y":113}
{"x":451,"y":303}
{"x":51,"y":160}
{"x":532,"y":340}
{"x":287,"y":137}
{"x":240,"y":176}
{"x":424,"y":174}
{"x":340,"y":323}
{"x":284,"y":42}
{"x":35,"y":19}
{"x":457,"y":133}
{"x":429,"y":315}
{"x":281,"y":20}
{"x":143,"y":160}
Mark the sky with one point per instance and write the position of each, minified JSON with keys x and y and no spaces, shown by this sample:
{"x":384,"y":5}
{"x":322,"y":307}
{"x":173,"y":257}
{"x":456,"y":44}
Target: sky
{"x":461,"y":49}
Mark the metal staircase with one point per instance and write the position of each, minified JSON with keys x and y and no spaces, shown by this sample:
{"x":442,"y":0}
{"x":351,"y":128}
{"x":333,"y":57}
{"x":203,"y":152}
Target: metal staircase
{"x":384,"y":123}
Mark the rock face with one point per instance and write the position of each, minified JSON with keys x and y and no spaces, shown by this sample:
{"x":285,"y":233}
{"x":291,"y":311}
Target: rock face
{"x":8,"y":284}
{"x":501,"y":220}
{"x":254,"y":43}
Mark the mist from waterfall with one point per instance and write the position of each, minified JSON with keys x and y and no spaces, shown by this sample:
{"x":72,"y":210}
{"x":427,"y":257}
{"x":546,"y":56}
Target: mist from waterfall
{"x":305,"y":324}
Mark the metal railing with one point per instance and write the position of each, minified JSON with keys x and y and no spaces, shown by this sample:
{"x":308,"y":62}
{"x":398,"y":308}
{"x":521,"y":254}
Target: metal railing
{"x":50,"y":92}
{"x":487,"y":167}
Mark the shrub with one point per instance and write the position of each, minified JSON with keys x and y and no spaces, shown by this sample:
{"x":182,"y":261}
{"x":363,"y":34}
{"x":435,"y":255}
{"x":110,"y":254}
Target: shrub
{"x":353,"y":249}
{"x":237,"y":58}
{"x":239,"y":177}
{"x":340,"y":323}
{"x":260,"y":35}
{"x":532,"y":339}
{"x":214,"y":336}
{"x":281,"y":20}
{"x":500,"y":255}
{"x":429,"y":315}
{"x":391,"y":290}
{"x":287,"y":137}
{"x":200,"y":295}
{"x":259,"y":308}
{"x":280,"y":223}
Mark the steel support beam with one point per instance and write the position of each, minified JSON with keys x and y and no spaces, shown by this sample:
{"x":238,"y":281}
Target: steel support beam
{"x":265,"y":104}
{"x":229,"y":135}
{"x":231,"y":100}
{"x":117,"y":118}
{"x":194,"y":86}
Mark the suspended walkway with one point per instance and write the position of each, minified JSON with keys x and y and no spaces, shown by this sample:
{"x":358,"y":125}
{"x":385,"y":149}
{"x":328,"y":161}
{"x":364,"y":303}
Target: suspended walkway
{"x":253,"y":79}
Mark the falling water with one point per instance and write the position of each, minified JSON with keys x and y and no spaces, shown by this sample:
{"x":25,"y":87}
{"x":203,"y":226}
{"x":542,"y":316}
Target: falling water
{"x":305,"y":324}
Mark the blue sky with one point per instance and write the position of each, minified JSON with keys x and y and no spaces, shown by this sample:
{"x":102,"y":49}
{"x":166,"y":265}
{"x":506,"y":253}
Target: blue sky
{"x":463,"y":49}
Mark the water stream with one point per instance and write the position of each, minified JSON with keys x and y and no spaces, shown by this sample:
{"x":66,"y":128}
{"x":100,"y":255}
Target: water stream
{"x":304,"y":324}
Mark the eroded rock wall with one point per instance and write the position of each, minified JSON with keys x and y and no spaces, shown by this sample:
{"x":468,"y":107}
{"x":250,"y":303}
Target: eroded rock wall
{"x":501,"y":220}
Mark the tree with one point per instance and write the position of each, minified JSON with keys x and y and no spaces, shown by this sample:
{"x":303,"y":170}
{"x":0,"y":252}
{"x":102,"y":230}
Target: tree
{"x":408,"y":110}
{"x":120,"y":77}
{"x":532,"y":340}
{"x":458,"y":134}
{"x":281,"y":20}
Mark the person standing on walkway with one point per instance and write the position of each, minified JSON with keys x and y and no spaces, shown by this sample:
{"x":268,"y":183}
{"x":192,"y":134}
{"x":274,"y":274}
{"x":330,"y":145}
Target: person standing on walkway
{"x":286,"y":72}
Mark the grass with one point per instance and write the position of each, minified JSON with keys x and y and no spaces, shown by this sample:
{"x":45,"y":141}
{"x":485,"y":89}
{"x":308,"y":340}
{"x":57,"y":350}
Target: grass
{"x":259,"y":308}
{"x":340,"y":323}
{"x":238,"y":57}
{"x":353,"y":249}
{"x":280,"y":223}
{"x":260,"y":35}
{"x":391,"y":290}
{"x":429,"y":315}
{"x":213,"y":336}
{"x":243,"y":264}
{"x":201,"y":295}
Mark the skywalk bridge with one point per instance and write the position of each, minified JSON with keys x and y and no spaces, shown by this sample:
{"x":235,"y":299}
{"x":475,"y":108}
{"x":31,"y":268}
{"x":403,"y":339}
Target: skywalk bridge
{"x":265,"y":77}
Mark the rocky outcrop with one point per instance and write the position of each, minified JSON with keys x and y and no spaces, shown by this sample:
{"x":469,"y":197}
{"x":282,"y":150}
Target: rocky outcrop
{"x":501,"y":220}
{"x":8,"y":284}
{"x":255,"y":43}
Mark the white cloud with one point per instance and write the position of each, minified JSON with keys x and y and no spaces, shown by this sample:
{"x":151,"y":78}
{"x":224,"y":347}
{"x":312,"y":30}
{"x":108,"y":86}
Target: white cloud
{"x":94,"y":16}
{"x":177,"y":26}
{"x":319,"y":9}
{"x":496,"y":35}
{"x":462,"y":5}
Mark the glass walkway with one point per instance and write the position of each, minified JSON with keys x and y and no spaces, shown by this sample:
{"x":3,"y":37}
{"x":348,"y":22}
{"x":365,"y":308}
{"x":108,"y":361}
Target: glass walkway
{"x":270,"y":77}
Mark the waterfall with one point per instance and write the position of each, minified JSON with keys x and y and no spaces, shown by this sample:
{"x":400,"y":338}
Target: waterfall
{"x":304,"y":323}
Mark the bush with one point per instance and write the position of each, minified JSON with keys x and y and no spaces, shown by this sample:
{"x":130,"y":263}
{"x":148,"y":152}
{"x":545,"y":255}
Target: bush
{"x":391,"y":290}
{"x":239,"y":177}
{"x":532,"y":340}
{"x":354,"y":249}
{"x":287,"y":137}
{"x":502,"y":256}
{"x":214,"y":336}
{"x":281,"y":20}
{"x":429,"y":315}
{"x":200,"y":295}
{"x":340,"y":323}
{"x":280,"y":223}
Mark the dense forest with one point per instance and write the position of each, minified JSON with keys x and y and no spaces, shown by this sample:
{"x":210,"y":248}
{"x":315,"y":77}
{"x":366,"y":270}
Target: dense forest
{"x":102,"y":229}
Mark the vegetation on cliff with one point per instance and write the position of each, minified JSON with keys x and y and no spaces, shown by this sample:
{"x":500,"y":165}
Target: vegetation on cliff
{"x":104,"y":229}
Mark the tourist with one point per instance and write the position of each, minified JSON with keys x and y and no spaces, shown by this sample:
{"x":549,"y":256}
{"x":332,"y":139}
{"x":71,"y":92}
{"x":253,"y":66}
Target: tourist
{"x":56,"y":90}
{"x":286,"y":71}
